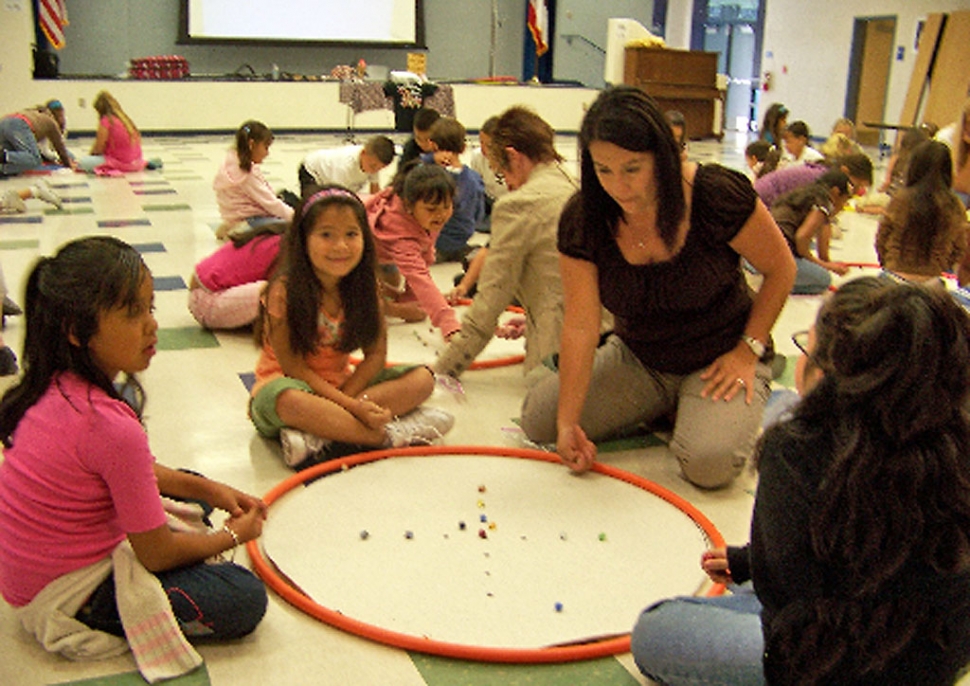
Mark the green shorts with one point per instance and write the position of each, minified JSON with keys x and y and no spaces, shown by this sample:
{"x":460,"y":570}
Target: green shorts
{"x":262,"y":406}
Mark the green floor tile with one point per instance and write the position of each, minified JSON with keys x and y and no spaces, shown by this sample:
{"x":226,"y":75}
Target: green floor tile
{"x":20,"y":244}
{"x":200,"y":677}
{"x":167,"y":208}
{"x":439,"y":671}
{"x":787,"y":378}
{"x":186,"y":338}
{"x":72,"y":210}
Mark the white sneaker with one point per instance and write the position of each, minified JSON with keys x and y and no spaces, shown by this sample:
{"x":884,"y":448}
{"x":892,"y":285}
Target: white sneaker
{"x":13,"y":202}
{"x":421,"y":426}
{"x":299,"y":445}
{"x":46,"y":193}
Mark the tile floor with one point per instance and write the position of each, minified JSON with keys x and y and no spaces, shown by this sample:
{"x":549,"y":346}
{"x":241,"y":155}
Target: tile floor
{"x":196,"y":413}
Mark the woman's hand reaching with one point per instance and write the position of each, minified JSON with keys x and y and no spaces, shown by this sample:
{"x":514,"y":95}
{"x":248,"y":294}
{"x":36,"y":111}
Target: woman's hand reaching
{"x":456,"y":295}
{"x":715,"y":563}
{"x":575,"y":449}
{"x":512,"y":329}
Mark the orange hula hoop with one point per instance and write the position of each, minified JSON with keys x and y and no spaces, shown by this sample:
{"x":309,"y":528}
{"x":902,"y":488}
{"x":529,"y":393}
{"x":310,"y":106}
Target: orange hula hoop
{"x":568,"y":653}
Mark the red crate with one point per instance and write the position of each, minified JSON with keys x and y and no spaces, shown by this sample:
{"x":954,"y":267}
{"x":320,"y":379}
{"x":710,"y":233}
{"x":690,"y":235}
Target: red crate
{"x":160,"y":67}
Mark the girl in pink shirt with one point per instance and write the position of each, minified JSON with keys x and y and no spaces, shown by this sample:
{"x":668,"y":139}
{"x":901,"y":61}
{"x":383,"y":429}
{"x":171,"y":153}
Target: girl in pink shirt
{"x":406,"y":219}
{"x":243,"y":193}
{"x":117,"y":144}
{"x":78,"y":478}
{"x":322,"y":307}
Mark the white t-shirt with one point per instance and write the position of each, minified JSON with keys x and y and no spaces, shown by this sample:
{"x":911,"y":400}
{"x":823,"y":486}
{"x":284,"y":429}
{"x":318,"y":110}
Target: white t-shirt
{"x":340,"y":166}
{"x":808,"y":154}
{"x":494,"y":188}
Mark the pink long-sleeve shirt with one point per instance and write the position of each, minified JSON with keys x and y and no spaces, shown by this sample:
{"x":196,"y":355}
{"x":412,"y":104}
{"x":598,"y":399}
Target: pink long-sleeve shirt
{"x":243,"y":194}
{"x":402,"y":241}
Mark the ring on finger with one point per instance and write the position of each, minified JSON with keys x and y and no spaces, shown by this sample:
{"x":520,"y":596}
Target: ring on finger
{"x":740,"y":382}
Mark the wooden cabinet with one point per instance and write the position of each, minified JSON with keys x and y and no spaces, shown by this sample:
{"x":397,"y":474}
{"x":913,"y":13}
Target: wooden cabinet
{"x":684,"y":80}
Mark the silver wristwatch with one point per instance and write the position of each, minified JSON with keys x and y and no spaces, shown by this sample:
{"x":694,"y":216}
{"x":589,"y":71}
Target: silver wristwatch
{"x":757,"y":347}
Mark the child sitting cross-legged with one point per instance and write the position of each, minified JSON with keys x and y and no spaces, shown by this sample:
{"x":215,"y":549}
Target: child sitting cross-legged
{"x":90,"y":554}
{"x":323,"y":306}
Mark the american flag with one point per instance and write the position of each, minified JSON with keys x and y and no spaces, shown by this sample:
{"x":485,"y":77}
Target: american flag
{"x":538,"y":21}
{"x":52,"y":16}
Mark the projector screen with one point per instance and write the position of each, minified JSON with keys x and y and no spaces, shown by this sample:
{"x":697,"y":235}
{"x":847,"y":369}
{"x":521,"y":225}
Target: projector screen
{"x":387,"y":22}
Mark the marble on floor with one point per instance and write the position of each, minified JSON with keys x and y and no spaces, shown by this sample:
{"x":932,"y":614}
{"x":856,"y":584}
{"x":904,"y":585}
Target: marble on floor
{"x":196,"y":413}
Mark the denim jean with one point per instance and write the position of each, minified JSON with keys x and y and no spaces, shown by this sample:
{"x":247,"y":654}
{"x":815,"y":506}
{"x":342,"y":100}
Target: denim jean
{"x":89,"y":162}
{"x":19,"y":145}
{"x":210,"y":602}
{"x":810,"y":278}
{"x":692,"y":641}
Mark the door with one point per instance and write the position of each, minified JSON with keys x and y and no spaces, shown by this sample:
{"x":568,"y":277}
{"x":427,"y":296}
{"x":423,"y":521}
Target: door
{"x":742,"y":82}
{"x":873,"y":42}
{"x":733,"y":29}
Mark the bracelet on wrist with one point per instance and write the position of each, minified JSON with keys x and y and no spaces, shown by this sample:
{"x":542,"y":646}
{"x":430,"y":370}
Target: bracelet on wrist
{"x":235,"y":540}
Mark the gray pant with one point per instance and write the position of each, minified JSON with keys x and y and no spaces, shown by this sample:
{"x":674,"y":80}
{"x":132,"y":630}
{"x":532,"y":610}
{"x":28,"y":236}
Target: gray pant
{"x":712,"y":440}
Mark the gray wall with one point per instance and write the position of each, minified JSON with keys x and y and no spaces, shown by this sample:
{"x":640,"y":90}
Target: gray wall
{"x":104,"y":35}
{"x":580,"y":39}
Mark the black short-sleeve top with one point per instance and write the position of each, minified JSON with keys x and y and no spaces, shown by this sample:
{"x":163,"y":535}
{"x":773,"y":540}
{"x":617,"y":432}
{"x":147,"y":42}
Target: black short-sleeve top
{"x":676,"y":316}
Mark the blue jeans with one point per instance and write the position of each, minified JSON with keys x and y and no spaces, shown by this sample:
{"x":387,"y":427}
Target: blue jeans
{"x":210,"y":602}
{"x":810,"y":279}
{"x":693,"y":641}
{"x":89,"y":162}
{"x":19,"y":145}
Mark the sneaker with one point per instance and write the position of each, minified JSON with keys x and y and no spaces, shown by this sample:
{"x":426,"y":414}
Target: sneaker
{"x":422,"y":426}
{"x":299,"y":446}
{"x":44,"y":192}
{"x":13,"y":202}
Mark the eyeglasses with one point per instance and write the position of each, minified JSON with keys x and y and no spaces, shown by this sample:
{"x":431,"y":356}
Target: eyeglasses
{"x":800,"y":339}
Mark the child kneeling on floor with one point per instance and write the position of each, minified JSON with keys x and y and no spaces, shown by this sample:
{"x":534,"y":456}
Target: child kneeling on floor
{"x":322,"y":306}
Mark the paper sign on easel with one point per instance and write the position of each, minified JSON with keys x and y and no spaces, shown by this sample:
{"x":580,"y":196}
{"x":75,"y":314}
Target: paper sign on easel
{"x":418,"y":63}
